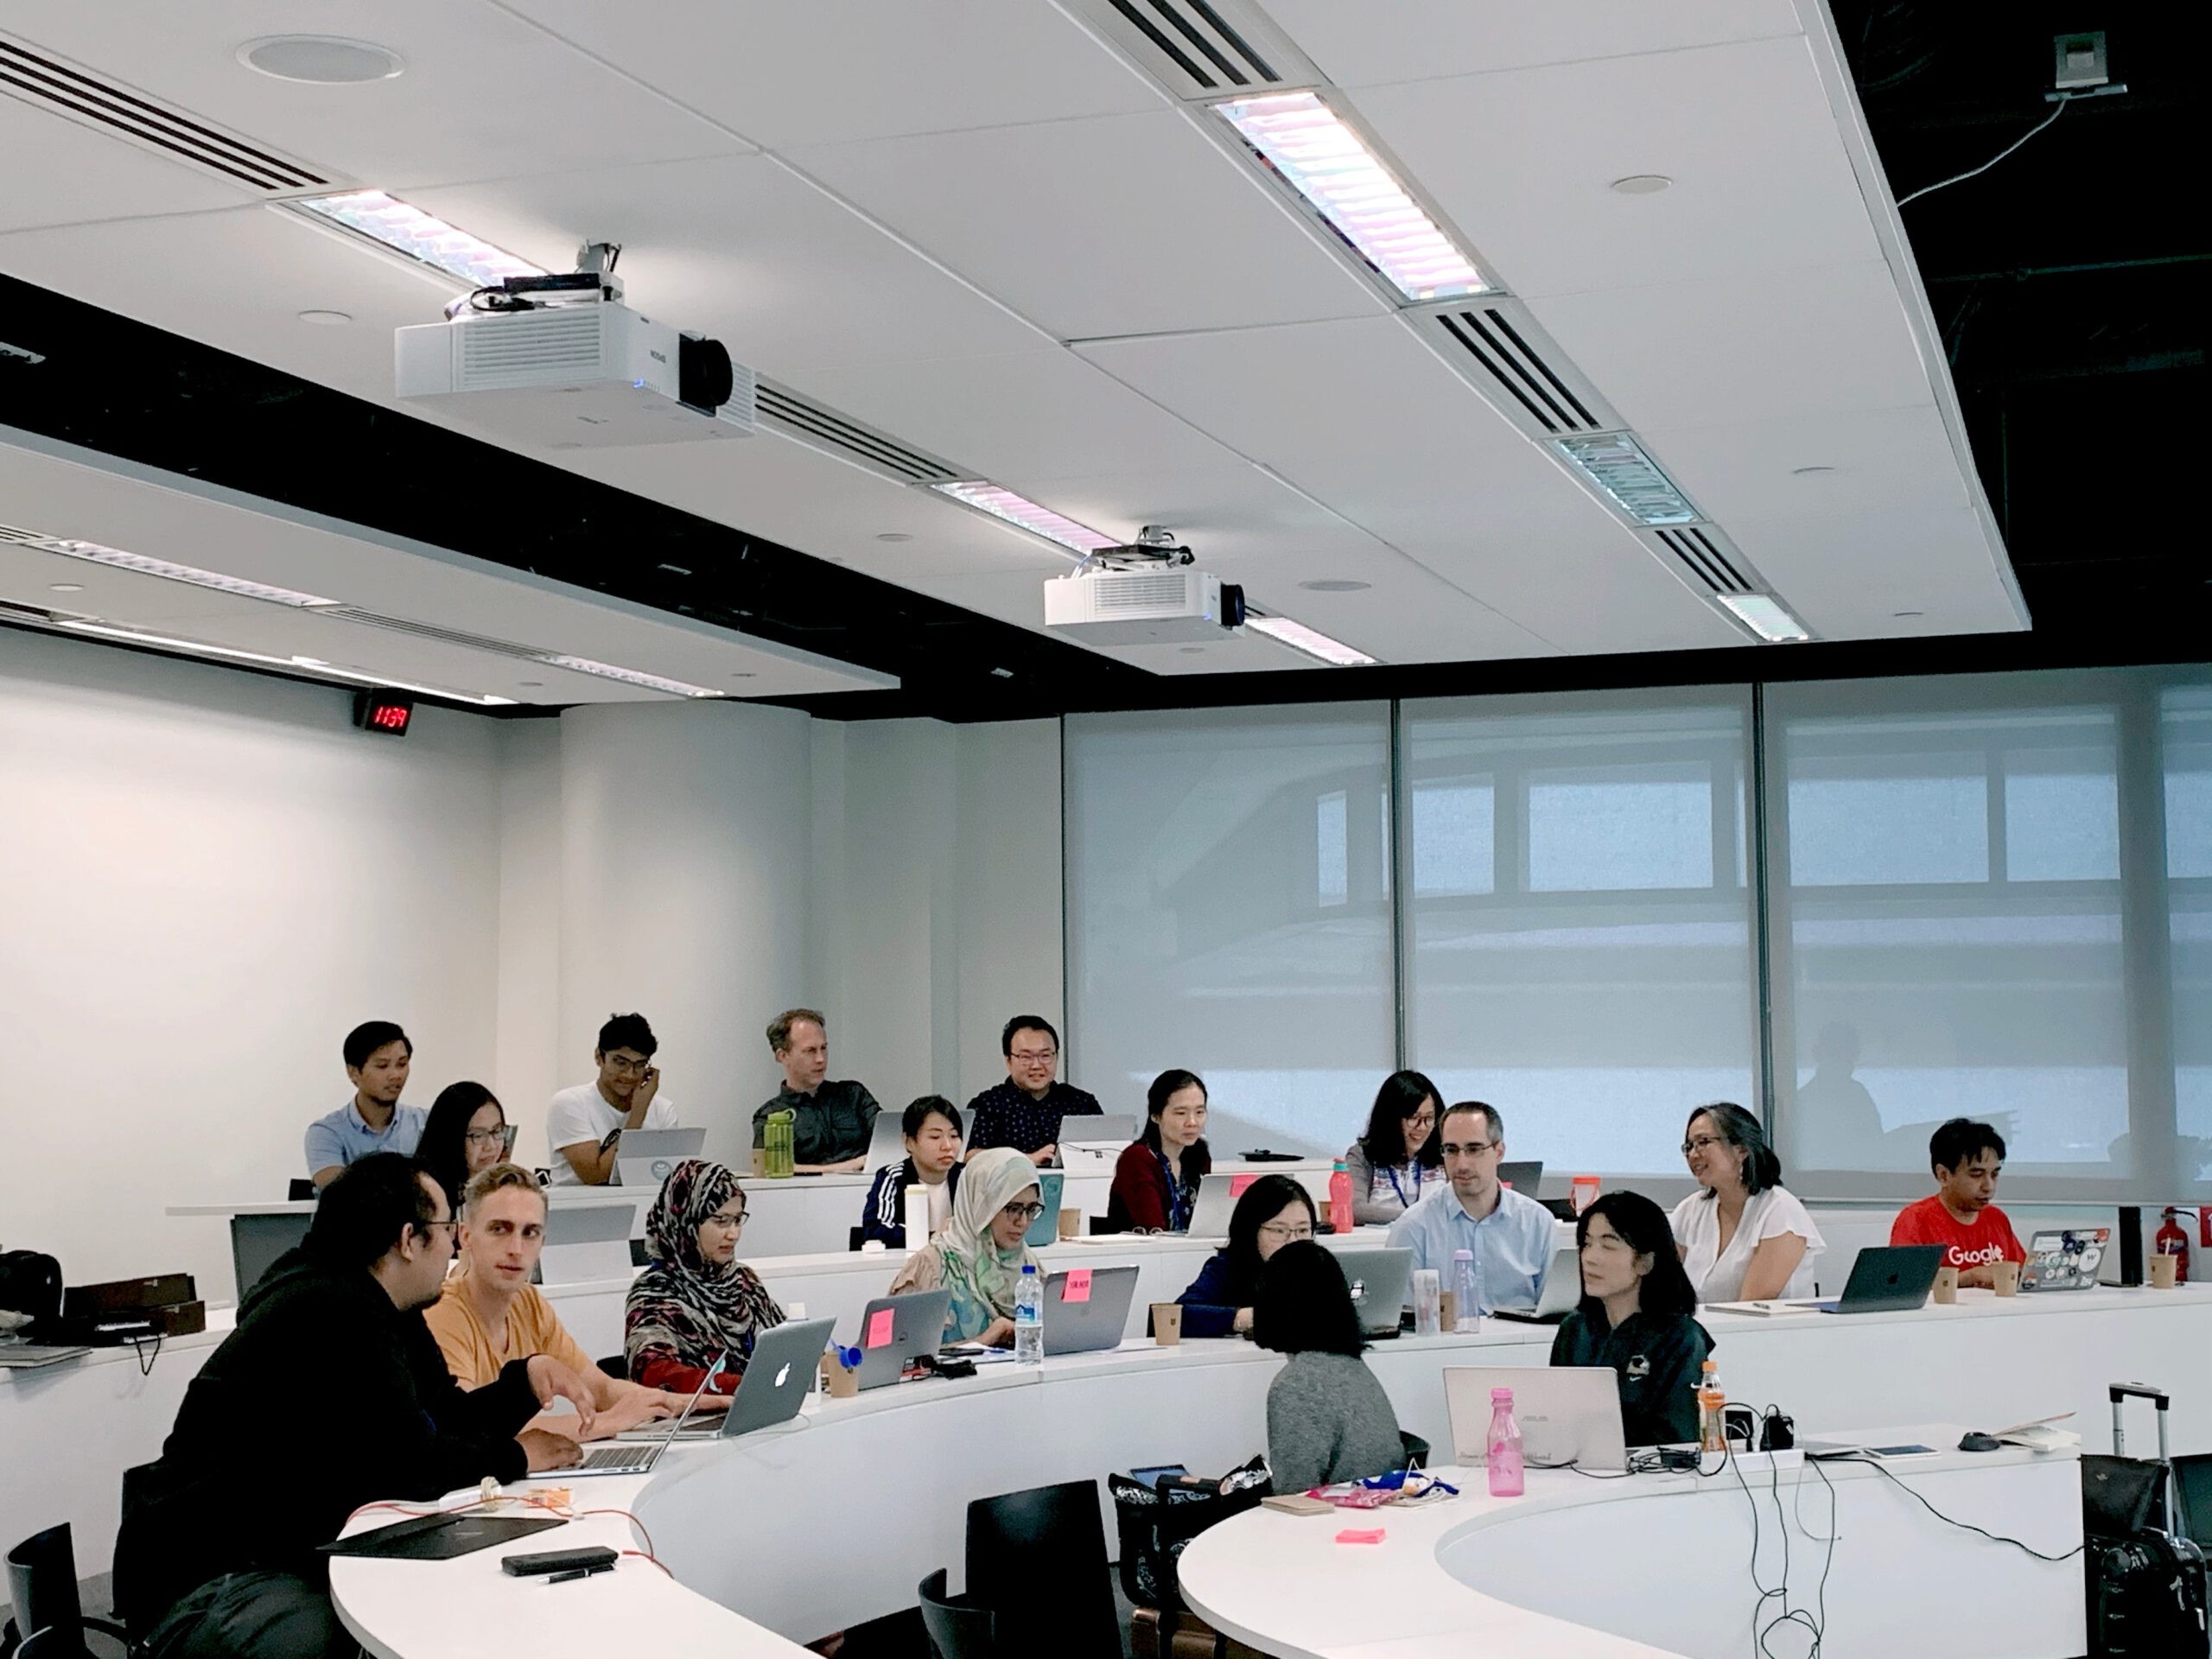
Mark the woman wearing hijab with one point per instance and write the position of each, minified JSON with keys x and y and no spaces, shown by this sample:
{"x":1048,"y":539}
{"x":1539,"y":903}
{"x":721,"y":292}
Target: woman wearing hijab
{"x":979,"y":1256}
{"x":696,"y":1302}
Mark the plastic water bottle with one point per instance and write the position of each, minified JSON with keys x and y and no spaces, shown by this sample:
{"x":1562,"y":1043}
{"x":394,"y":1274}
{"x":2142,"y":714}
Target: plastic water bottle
{"x":1501,"y":1452}
{"x":1465,"y":1311}
{"x":1340,"y":1199}
{"x":1711,"y":1410}
{"x":1029,"y":1318}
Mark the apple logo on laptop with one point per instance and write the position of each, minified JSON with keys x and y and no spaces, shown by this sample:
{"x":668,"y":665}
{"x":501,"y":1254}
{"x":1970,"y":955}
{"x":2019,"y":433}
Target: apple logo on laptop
{"x":781,"y":1375}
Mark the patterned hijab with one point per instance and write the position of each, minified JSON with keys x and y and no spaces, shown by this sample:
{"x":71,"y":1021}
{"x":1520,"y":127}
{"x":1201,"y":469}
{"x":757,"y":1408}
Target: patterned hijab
{"x":982,"y":1277}
{"x":683,"y":1306}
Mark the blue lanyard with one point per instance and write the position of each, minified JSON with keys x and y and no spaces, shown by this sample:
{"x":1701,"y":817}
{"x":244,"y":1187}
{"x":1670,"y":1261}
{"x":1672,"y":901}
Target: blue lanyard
{"x":1401,"y":1190}
{"x":1178,"y":1197}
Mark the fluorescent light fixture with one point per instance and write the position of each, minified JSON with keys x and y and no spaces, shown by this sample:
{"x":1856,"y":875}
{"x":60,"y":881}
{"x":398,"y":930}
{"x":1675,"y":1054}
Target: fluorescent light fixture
{"x":627,"y":675}
{"x":1014,"y":510}
{"x":1313,"y":642}
{"x":1767,"y":617}
{"x":1616,"y":463}
{"x":312,"y":665}
{"x":423,"y":237}
{"x":115,"y":558}
{"x":1319,"y":155}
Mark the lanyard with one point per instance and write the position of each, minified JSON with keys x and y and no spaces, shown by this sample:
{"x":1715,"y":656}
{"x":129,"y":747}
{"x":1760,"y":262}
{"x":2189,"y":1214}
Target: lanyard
{"x":1178,"y":1197}
{"x":1402,"y":1202}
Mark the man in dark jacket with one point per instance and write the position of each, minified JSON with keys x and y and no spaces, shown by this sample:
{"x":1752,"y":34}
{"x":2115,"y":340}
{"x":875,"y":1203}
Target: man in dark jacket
{"x":330,"y":1393}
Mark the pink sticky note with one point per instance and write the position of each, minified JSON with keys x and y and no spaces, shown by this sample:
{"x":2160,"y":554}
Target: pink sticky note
{"x":879,"y":1327}
{"x":1239,"y":1183}
{"x":1360,"y":1535}
{"x":1078,"y":1288}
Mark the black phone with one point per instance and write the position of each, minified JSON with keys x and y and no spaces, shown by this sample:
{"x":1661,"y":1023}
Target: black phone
{"x":557,"y":1560}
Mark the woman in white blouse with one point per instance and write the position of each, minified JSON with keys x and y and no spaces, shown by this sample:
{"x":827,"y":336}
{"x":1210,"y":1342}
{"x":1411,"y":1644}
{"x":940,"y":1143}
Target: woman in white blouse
{"x":1744,"y":1237}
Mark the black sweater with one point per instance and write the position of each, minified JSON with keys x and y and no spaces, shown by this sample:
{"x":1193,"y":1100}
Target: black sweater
{"x":1658,"y":1361}
{"x":325,"y":1397}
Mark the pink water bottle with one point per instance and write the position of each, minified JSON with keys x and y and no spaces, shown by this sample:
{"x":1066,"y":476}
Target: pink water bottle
{"x":1339,"y":1200}
{"x":1507,"y":1476}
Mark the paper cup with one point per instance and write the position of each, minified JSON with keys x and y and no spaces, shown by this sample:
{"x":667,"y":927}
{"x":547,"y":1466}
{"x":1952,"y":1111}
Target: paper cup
{"x":1447,"y":1311}
{"x":1947,"y":1286}
{"x":2008,"y":1277}
{"x":2165,"y":1272}
{"x":1166,"y":1324}
{"x":1583,"y":1193}
{"x":838,"y":1382}
{"x":1071,"y":1223}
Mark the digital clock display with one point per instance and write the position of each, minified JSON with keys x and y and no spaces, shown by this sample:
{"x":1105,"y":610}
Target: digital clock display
{"x":381,"y":711}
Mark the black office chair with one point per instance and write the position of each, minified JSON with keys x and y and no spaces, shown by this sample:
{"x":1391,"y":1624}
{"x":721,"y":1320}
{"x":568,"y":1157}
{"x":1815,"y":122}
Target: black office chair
{"x":1038,"y":1557}
{"x":1417,"y":1449}
{"x":42,"y":1587}
{"x":299,"y":1192}
{"x":855,"y":1237}
{"x":137,"y":1481}
{"x":957,"y":1629}
{"x":46,"y":1644}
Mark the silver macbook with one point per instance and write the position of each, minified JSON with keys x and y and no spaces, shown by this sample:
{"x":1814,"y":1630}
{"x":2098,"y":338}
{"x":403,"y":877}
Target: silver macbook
{"x":644,"y":1156}
{"x":1381,"y":1280}
{"x":785,"y":1361}
{"x":586,"y":1239}
{"x":1563,"y":1291}
{"x":1087,"y":1308}
{"x":1569,"y":1415}
{"x":1116,"y":1129}
{"x":2066,"y":1260}
{"x":637,"y":1458}
{"x":887,"y":1141}
{"x":1523,"y":1177}
{"x":1216,"y":1203}
{"x":897,"y":1330}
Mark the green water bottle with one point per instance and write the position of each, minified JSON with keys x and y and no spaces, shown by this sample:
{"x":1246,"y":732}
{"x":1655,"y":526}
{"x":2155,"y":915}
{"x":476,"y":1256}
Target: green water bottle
{"x":776,"y":1145}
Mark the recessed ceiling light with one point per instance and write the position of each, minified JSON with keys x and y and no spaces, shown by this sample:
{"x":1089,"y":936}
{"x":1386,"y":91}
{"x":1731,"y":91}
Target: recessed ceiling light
{"x":115,"y":558}
{"x":1810,"y":472}
{"x":745,"y":674}
{"x":986,"y":497}
{"x":1616,"y":463}
{"x":893,"y":536}
{"x":1191,"y":650}
{"x":1767,"y":617}
{"x":1336,"y":585}
{"x":1641,"y":184}
{"x":321,"y":60}
{"x":1904,"y":614}
{"x":1319,"y":155}
{"x":66,"y":588}
{"x":531,"y":685}
{"x":326,"y":319}
{"x":629,"y":677}
{"x":407,"y":230}
{"x":1312,"y":641}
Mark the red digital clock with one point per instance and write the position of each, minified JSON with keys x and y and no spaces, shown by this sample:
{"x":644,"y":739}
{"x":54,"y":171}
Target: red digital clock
{"x":383,"y":711}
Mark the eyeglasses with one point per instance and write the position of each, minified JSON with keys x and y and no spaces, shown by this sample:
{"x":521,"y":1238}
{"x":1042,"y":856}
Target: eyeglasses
{"x":1284,"y":1235}
{"x":1698,"y":1143}
{"x":1033,"y":1055}
{"x":485,"y":1137}
{"x":1024,"y":1213}
{"x":725,"y":1219}
{"x":628,"y":1068}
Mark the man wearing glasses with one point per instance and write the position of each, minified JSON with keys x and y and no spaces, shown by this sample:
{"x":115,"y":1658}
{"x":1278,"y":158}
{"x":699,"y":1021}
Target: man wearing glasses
{"x":1025,"y":1111}
{"x":584,"y":1124}
{"x":1509,"y":1233}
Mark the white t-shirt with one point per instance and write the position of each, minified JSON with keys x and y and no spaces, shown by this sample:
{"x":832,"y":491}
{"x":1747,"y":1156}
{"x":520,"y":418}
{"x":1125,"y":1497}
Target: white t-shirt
{"x":583,"y":1114}
{"x":1717,"y":1276}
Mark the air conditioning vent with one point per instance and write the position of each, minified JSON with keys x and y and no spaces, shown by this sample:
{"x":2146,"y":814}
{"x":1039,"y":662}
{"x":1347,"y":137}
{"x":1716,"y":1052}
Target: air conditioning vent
{"x":431,"y":631}
{"x":12,"y":611}
{"x":51,"y":85}
{"x":1704,"y":558}
{"x":1201,"y":49}
{"x":824,"y":429}
{"x":1495,"y":345}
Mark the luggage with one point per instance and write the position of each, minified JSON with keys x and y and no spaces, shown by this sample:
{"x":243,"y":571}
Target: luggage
{"x":1157,"y":1521}
{"x":2146,"y":1582}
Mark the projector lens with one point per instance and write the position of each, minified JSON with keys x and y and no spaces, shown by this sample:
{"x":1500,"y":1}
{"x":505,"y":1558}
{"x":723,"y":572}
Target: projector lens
{"x":703,"y":380}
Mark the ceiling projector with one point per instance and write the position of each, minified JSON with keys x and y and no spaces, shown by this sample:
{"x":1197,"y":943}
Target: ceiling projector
{"x":1143,"y":607}
{"x":559,"y":360}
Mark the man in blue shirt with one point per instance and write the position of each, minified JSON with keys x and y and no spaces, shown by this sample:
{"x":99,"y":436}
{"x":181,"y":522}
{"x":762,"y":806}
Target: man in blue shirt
{"x":1510,"y":1235}
{"x":377,"y":1058}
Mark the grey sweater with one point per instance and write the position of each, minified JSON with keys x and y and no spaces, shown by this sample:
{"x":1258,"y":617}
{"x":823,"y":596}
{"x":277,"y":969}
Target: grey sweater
{"x":1329,"y":1419}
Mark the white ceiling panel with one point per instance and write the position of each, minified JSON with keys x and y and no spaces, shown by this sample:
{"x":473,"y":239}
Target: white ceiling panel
{"x":1356,"y":42}
{"x":1822,"y":340}
{"x":784,"y":74}
{"x":82,"y":173}
{"x":1522,"y":160}
{"x":483,"y":93}
{"x":1746,"y":470}
{"x":1849,"y":572}
{"x":1118,"y":224}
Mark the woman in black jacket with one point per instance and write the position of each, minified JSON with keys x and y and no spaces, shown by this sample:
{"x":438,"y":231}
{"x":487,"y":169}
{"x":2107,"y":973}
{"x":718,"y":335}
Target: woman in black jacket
{"x":1638,"y":1315}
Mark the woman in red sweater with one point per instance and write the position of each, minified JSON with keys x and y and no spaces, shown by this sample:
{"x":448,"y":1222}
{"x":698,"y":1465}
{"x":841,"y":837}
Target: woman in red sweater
{"x":1156,"y":1179}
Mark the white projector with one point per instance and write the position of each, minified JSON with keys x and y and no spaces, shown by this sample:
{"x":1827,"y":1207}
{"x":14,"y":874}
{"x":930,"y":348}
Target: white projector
{"x":596,"y":376}
{"x":1143,"y":608}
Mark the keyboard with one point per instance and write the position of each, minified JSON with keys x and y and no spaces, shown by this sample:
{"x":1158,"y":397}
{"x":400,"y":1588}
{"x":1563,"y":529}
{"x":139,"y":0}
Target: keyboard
{"x":615,"y":1457}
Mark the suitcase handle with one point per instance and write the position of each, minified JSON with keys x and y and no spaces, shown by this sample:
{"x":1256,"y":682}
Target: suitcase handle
{"x":2121,"y":1391}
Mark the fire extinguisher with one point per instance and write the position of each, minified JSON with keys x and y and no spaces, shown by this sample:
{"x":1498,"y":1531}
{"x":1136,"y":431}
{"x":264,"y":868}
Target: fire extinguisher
{"x":2172,"y":1240}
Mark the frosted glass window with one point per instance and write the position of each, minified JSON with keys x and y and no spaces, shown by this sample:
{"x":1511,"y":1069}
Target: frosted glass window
{"x":1926,"y":822}
{"x":2185,"y":738}
{"x":1621,"y":833}
{"x":1332,"y":876}
{"x":1455,"y":845}
{"x":2062,"y":825}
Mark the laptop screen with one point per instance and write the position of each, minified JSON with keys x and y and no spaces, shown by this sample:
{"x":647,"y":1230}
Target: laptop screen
{"x":2193,"y":1482}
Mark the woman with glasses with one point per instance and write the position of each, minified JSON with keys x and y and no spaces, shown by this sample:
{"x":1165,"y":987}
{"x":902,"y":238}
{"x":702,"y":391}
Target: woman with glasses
{"x":1274,"y":1211}
{"x":1637,"y":1315}
{"x":464,"y":1134}
{"x":980,"y":1252}
{"x":1156,"y":1179}
{"x":1398,"y":1153}
{"x":1742,"y":1238}
{"x":696,"y":1302}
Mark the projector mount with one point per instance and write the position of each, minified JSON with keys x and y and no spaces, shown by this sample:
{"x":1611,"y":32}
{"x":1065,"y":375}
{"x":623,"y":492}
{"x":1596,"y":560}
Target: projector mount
{"x":1154,"y":549}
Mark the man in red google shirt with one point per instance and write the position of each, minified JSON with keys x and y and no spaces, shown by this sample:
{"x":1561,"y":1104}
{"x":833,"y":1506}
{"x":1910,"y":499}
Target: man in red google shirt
{"x":1966,"y":1157}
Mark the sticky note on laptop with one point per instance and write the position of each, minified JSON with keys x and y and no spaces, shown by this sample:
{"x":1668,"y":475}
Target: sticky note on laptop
{"x":879,"y":1326}
{"x":1078,"y":1287}
{"x":1239,"y":1183}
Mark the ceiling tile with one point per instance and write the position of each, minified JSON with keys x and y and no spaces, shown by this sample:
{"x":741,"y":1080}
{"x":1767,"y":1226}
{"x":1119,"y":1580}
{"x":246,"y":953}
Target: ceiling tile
{"x":84,"y":174}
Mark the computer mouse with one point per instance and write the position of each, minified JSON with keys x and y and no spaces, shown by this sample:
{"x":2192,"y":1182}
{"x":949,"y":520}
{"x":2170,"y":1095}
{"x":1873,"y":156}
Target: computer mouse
{"x":1974,"y":1440}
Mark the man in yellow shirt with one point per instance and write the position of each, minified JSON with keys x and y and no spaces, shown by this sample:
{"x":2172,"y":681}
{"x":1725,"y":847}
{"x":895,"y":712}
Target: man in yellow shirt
{"x":489,"y":1312}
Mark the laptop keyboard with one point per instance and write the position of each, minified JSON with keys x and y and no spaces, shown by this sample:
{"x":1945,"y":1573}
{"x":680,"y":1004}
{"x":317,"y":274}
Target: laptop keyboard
{"x":614,"y":1457}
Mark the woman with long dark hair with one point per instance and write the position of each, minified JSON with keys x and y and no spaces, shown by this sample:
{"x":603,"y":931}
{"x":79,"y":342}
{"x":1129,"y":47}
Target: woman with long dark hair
{"x":1743,"y":1236}
{"x":1274,"y":1211}
{"x":1156,"y":1179}
{"x":1328,"y":1418}
{"x":1638,"y":1315}
{"x":464,"y":1135}
{"x":1398,"y":1152}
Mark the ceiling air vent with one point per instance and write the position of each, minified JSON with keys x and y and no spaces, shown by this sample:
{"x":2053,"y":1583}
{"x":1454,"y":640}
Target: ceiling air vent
{"x":51,"y":85}
{"x":1202,"y":49}
{"x":822,"y":427}
{"x":431,"y":631}
{"x":1704,"y":558}
{"x":1497,"y":347}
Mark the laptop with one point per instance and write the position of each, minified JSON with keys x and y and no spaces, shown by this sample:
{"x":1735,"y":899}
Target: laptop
{"x":1524,"y":1177}
{"x":1895,"y":1278}
{"x":785,"y":1361}
{"x":586,"y":1241}
{"x":2065,"y":1260}
{"x":257,"y":1241}
{"x":1111,"y":1129}
{"x":1045,"y":1229}
{"x":644,"y":1156}
{"x":628,"y":1457}
{"x":897,"y":1330}
{"x":1570,"y":1415}
{"x":1087,"y":1308}
{"x":887,"y":1142}
{"x":1216,"y":1202}
{"x":1563,"y":1291}
{"x":440,"y":1537}
{"x":1382,"y":1281}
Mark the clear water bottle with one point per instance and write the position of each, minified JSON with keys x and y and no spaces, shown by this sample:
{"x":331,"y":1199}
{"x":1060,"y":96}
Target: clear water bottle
{"x":1502,"y":1448}
{"x":1466,"y":1312}
{"x":1029,"y":1318}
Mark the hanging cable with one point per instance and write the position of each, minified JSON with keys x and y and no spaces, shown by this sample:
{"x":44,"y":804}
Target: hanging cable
{"x":1975,"y":173}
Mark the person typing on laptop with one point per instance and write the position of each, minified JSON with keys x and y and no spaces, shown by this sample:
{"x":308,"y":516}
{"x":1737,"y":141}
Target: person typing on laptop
{"x":1637,"y":1315}
{"x":979,"y":1255}
{"x":696,"y":1302}
{"x":832,"y":1119}
{"x":1962,"y":1215}
{"x":328,"y":1394}
{"x":1509,"y":1233}
{"x":930,"y":1128}
{"x":489,"y":1313}
{"x":584,"y":1124}
{"x":1025,"y":1111}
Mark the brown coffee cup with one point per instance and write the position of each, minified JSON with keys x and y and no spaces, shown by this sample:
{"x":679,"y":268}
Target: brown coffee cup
{"x":2006,"y":1276}
{"x":1166,"y":1324}
{"x":1071,"y":1223}
{"x":837,"y":1381}
{"x":1947,"y":1286}
{"x":2165,"y":1271}
{"x":1447,"y":1311}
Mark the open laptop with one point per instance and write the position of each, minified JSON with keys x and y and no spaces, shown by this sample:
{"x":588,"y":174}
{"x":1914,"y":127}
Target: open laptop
{"x":637,"y":1458}
{"x":1562,"y":1290}
{"x":1104,"y":1133}
{"x":1894,"y":1278}
{"x":586,"y":1239}
{"x":1381,"y":1280}
{"x":1216,"y":1202}
{"x":785,"y":1363}
{"x":1569,"y":1414}
{"x":2064,"y":1260}
{"x":1045,"y":1229}
{"x":887,"y":1142}
{"x":1524,"y":1177}
{"x":897,"y":1330}
{"x":257,"y":1241}
{"x":1087,"y":1308}
{"x":644,"y":1156}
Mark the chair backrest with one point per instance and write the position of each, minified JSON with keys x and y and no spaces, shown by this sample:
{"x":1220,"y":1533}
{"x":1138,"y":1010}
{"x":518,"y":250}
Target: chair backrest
{"x":955,"y":1629}
{"x":43,"y":1586}
{"x":1039,"y":1556}
{"x":138,"y":1486}
{"x":49,"y":1645}
{"x":296,"y":1191}
{"x":855,"y":1237}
